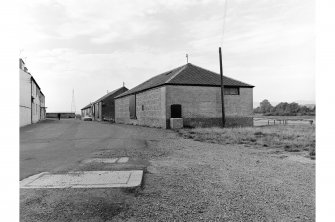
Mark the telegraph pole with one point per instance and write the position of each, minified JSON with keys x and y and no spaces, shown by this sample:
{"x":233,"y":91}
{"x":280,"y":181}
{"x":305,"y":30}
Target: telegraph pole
{"x":73,"y":104}
{"x":222,"y":91}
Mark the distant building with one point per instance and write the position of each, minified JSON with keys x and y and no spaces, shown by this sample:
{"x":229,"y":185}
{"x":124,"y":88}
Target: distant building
{"x":87,"y":111}
{"x":32,"y":100}
{"x":63,"y":115}
{"x":103,"y":109}
{"x":188,"y":92}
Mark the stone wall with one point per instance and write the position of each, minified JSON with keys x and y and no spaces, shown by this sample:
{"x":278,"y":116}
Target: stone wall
{"x":201,"y":106}
{"x":150,"y":109}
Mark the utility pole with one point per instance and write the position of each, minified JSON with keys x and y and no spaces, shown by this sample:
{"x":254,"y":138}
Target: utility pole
{"x":73,"y":104}
{"x":222,"y":91}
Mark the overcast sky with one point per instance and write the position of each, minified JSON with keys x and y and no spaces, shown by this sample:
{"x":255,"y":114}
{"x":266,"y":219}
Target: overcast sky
{"x":94,"y":46}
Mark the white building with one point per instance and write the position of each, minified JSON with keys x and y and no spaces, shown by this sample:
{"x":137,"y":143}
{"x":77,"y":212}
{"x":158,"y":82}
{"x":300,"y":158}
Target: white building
{"x":32,"y":100}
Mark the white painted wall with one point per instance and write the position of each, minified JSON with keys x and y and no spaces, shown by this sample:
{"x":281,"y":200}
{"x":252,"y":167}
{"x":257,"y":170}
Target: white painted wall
{"x":36,"y":106}
{"x":25,"y":98}
{"x":30,"y":112}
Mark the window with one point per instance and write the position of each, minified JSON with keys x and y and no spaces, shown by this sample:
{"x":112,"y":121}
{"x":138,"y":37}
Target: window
{"x":142,"y":107}
{"x":231,"y":91}
{"x":132,"y":106}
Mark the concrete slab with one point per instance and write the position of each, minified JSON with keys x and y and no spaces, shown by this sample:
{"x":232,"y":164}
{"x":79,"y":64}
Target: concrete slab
{"x":85,"y":179}
{"x":123,"y":160}
{"x":100,"y":160}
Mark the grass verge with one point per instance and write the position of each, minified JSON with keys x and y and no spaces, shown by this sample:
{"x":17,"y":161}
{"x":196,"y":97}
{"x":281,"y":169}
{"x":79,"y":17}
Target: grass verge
{"x":290,"y":138}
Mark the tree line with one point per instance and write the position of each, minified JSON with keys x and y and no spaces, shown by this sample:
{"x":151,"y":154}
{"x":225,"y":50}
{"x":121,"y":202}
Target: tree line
{"x":284,"y":109}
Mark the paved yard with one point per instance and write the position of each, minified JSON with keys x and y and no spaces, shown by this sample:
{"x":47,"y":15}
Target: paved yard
{"x":184,"y":180}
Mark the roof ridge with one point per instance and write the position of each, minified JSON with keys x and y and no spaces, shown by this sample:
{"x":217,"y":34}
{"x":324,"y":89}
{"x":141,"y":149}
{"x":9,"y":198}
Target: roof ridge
{"x":177,"y":73}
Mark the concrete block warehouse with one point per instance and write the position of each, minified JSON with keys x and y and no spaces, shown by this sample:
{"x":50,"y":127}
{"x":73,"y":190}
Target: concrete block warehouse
{"x":189,"y":92}
{"x":103,"y":108}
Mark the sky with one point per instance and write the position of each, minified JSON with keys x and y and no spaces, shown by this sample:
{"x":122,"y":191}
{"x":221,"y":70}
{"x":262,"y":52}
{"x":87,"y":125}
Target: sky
{"x":92,"y":47}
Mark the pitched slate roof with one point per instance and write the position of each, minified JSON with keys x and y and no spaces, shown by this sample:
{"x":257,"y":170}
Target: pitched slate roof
{"x":88,"y":106}
{"x":109,"y":94}
{"x":188,"y":74}
{"x":105,"y":96}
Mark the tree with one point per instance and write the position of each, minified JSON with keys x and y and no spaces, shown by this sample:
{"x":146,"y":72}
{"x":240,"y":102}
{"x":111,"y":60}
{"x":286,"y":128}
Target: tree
{"x":265,"y":106}
{"x":293,"y":108}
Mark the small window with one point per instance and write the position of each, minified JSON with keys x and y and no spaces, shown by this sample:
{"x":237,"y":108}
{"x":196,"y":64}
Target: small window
{"x":132,"y":106}
{"x":142,"y":107}
{"x":232,"y":91}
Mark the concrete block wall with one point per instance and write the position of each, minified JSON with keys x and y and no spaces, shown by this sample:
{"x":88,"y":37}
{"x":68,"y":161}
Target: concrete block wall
{"x":108,"y":105}
{"x":150,"y":109}
{"x":122,"y":114}
{"x":201,"y":106}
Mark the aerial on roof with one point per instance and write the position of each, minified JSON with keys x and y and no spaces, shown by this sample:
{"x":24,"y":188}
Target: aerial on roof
{"x":105,"y":96}
{"x":188,"y":74}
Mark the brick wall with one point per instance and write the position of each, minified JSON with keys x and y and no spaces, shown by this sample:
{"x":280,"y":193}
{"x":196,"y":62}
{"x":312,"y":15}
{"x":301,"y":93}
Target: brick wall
{"x":150,"y":109}
{"x":201,"y":106}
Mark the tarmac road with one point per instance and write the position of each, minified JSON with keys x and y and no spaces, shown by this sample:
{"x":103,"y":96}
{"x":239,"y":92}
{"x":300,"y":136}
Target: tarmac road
{"x":184,"y":180}
{"x":59,"y":145}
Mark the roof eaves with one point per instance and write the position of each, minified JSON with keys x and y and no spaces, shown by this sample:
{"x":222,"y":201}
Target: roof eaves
{"x":35,"y":81}
{"x":136,"y":92}
{"x":207,"y":85}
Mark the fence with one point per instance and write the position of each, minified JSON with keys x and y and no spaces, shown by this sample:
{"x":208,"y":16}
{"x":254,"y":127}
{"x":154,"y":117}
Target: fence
{"x":282,"y":121}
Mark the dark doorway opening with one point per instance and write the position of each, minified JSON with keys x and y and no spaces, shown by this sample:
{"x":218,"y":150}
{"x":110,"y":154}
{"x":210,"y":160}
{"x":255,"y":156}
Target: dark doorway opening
{"x":176,"y":111}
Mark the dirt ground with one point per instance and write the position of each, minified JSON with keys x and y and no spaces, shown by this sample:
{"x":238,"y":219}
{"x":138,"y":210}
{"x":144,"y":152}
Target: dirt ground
{"x":185,"y":180}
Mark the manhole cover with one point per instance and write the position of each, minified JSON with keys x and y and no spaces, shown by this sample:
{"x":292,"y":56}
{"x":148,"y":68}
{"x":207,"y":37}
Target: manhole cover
{"x":123,"y":160}
{"x":100,"y":160}
{"x":84,"y":179}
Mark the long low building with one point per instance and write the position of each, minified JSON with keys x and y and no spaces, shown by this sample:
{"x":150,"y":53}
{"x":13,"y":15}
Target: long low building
{"x":103,"y":109}
{"x":188,"y":92}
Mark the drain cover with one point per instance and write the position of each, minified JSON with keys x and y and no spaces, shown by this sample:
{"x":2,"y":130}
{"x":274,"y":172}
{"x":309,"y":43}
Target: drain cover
{"x":84,"y":179}
{"x":100,"y":160}
{"x":123,"y":160}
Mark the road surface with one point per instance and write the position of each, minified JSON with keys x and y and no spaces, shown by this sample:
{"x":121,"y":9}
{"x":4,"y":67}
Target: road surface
{"x":184,"y":180}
